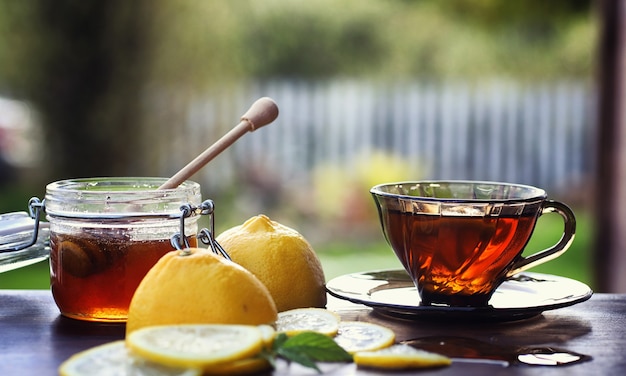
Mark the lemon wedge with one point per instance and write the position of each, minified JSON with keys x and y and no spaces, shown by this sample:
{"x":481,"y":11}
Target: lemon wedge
{"x":398,"y":357}
{"x":230,"y":294}
{"x":113,"y":359}
{"x":356,"y":336}
{"x":196,"y":345}
{"x":299,"y":320}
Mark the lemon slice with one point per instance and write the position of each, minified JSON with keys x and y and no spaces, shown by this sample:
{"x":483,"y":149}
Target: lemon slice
{"x":299,"y":320}
{"x":112,"y":359}
{"x":195,"y":345}
{"x":356,"y":336}
{"x":268,"y":334}
{"x":400,"y":357}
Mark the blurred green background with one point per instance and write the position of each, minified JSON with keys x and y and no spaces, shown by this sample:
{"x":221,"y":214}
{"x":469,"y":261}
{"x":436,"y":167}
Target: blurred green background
{"x":96,"y":78}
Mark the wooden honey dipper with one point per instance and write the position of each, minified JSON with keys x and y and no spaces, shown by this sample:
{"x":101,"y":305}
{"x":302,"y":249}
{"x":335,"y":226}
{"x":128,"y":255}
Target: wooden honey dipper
{"x":262,"y":112}
{"x":83,"y":259}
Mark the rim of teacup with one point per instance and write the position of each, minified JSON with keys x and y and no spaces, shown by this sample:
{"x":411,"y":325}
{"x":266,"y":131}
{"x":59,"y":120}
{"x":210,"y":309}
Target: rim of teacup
{"x":534,"y":193}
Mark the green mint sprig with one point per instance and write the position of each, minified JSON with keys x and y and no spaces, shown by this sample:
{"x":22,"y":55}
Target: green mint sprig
{"x":306,"y":348}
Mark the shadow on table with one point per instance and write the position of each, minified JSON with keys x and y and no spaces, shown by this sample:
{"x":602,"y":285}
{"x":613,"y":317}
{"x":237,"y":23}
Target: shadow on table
{"x":532,"y":341}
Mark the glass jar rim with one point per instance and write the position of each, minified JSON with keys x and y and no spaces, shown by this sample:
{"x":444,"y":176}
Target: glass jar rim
{"x":118,"y":197}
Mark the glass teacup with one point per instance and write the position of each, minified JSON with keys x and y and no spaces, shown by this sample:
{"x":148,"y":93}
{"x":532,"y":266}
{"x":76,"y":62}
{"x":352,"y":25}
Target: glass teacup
{"x":459,"y":240}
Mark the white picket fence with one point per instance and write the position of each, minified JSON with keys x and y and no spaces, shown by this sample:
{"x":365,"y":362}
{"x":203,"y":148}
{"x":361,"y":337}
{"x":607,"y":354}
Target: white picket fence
{"x":540,"y":134}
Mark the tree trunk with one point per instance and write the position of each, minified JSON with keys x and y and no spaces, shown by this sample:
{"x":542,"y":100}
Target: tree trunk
{"x":610,"y":244}
{"x":90,"y":85}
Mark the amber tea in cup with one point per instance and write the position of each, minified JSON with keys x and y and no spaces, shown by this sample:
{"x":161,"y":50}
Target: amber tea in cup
{"x":105,"y":234}
{"x":459,"y":240}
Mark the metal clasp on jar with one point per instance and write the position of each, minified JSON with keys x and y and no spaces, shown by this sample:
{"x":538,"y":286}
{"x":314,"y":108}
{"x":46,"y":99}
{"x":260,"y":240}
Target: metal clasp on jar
{"x":35,"y":207}
{"x":206,"y":236}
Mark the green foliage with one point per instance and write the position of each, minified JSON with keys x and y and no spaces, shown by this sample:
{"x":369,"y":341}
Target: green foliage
{"x":351,"y":200}
{"x":191,"y":43}
{"x":473,"y":38}
{"x":19,"y":36}
{"x":315,"y":39}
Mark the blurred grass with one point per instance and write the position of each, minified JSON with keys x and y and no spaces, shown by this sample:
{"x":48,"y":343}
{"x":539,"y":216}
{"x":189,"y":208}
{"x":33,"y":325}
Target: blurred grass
{"x":36,"y":276}
{"x":576,"y":263}
{"x":344,"y":257}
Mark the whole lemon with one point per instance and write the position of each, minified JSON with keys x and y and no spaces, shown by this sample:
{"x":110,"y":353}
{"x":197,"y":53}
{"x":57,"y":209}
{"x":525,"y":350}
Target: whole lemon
{"x":281,"y":258}
{"x":196,"y":286}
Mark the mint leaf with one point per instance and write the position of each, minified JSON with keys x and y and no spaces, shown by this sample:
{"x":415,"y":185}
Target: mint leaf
{"x":317,"y":346}
{"x":279,"y":340}
{"x":294,"y":355}
{"x":309,"y":347}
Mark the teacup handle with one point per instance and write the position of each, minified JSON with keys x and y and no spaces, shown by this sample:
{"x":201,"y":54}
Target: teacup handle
{"x":569,"y":231}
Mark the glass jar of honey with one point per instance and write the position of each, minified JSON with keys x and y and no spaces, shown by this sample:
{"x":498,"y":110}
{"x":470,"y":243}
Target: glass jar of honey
{"x":105,"y":234}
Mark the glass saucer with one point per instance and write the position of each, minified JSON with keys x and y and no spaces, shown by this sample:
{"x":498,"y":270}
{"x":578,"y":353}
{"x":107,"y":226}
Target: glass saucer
{"x":391,"y":292}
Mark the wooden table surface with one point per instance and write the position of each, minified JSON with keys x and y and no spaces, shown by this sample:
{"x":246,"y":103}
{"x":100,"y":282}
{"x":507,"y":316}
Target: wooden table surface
{"x":35,"y":339}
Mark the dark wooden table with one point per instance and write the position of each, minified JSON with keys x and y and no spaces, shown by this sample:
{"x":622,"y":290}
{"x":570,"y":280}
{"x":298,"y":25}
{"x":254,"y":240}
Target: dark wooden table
{"x":35,"y":339}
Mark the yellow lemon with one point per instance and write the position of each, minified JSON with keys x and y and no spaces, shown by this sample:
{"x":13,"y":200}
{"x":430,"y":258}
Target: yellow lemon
{"x":356,"y":336}
{"x":196,"y":286}
{"x":113,"y":359}
{"x":202,"y":346}
{"x":299,"y":320}
{"x":281,"y":258}
{"x":398,"y":357}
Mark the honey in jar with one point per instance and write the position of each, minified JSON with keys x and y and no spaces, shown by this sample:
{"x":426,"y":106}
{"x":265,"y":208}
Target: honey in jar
{"x":105,"y":234}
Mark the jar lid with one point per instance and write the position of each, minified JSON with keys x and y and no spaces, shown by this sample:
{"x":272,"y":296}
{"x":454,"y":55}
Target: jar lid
{"x":115,"y":198}
{"x":16,"y":232}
